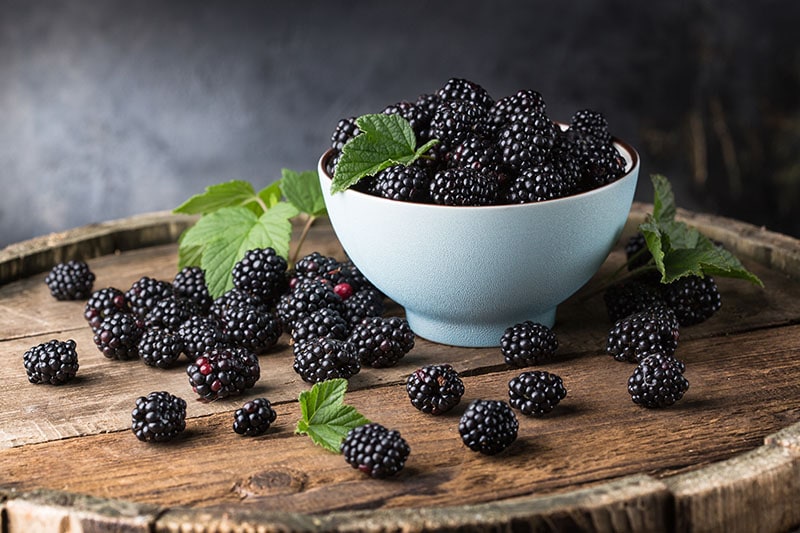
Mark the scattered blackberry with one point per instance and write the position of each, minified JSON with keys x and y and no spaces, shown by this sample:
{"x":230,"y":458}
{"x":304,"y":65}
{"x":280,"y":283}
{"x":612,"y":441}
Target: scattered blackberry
{"x":601,"y":164}
{"x":592,"y":124}
{"x":104,"y":303}
{"x":190,"y":283}
{"x":658,"y":381}
{"x":320,"y":323}
{"x":307,"y":297}
{"x":464,"y":186}
{"x":158,"y":417}
{"x":528,"y":343}
{"x":362,"y":304}
{"x":231,"y":300}
{"x":478,"y":153}
{"x":223,"y":372}
{"x":630,"y":296}
{"x":200,"y":334}
{"x":522,"y":102}
{"x":694,"y":299}
{"x":313,"y":266}
{"x":536,"y":184}
{"x":261,"y":273}
{"x":248,"y":327}
{"x":527,"y":141}
{"x":54,"y":362}
{"x":345,"y":130}
{"x":254,"y":418}
{"x":654,"y":329}
{"x":375,"y":450}
{"x":160,"y":347}
{"x":381,"y":342}
{"x":171,"y":312}
{"x":322,"y":358}
{"x":461,"y":89}
{"x":418,"y":117}
{"x":488,"y":426}
{"x":118,"y":336}
{"x":636,"y":251}
{"x":70,"y":281}
{"x":404,"y":183}
{"x":435,"y":389}
{"x":145,"y":293}
{"x":455,"y":121}
{"x":536,"y":393}
{"x":354,"y":276}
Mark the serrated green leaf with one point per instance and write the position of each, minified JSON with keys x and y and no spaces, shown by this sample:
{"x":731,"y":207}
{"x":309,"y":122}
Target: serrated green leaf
{"x":325,"y":417}
{"x":228,"y":194}
{"x":303,"y":190}
{"x":663,"y":199}
{"x":392,"y":131}
{"x":189,"y":256}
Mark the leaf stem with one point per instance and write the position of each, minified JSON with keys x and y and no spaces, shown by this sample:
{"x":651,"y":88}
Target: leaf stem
{"x":302,"y":238}
{"x":261,"y":203}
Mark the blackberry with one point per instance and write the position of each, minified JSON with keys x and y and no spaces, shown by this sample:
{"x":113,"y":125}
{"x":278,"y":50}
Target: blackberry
{"x":254,"y":418}
{"x":261,"y":273}
{"x":375,"y":450}
{"x":455,"y":121}
{"x":428,"y":102}
{"x":72,"y":280}
{"x":528,"y":343}
{"x":354,"y":277}
{"x":478,"y":153}
{"x":118,"y":336}
{"x":592,"y":124}
{"x":527,"y":141}
{"x":536,"y":393}
{"x":160,"y":347}
{"x":464,"y":187}
{"x":636,"y":251}
{"x":145,"y":293}
{"x":307,"y":297}
{"x":658,"y":381}
{"x":250,"y":328}
{"x":171,"y":312}
{"x":520,"y":103}
{"x":54,"y":362}
{"x":404,"y":183}
{"x":362,"y":304}
{"x":654,"y":329}
{"x":536,"y":184}
{"x":200,"y":334}
{"x":488,"y":426}
{"x":223,"y":372}
{"x":190,"y":283}
{"x":381,"y":342}
{"x":320,"y":323}
{"x":105,"y":303}
{"x":601,"y":164}
{"x":694,"y":299}
{"x":345,"y":130}
{"x":630,"y":296}
{"x":158,"y":417}
{"x":231,"y":300}
{"x":462,"y":89}
{"x":323,"y":358}
{"x":435,"y":389}
{"x":314,"y":266}
{"x":418,"y":117}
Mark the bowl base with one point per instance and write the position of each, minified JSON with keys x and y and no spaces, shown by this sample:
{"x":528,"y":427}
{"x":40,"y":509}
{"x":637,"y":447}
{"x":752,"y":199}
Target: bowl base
{"x":481,"y":334}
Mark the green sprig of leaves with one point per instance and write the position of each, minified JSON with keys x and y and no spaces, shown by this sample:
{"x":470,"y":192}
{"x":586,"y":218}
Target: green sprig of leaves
{"x":384,"y":141}
{"x":325,"y":416}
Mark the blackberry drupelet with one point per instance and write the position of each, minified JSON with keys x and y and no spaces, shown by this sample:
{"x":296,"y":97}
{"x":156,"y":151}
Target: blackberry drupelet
{"x":463,"y":187}
{"x":381,"y":342}
{"x":536,"y":393}
{"x":190,"y":283}
{"x":261,"y":273}
{"x":527,"y":141}
{"x":488,"y":426}
{"x":231,"y":300}
{"x":158,"y":417}
{"x":404,"y":183}
{"x":428,"y":102}
{"x":592,"y":124}
{"x":316,"y":266}
{"x":654,"y":329}
{"x":146,"y":292}
{"x":455,"y":121}
{"x":160,"y":347}
{"x":323,"y":358}
{"x":523,"y":102}
{"x":321,"y":323}
{"x":536,"y":184}
{"x":435,"y":389}
{"x":118,"y":336}
{"x":658,"y":381}
{"x":630,"y":296}
{"x":72,"y":280}
{"x":54,"y":362}
{"x":375,"y":450}
{"x":462,"y":89}
{"x":479,"y":153}
{"x":200,"y":334}
{"x":104,"y":303}
{"x":362,"y":304}
{"x":307,"y":297}
{"x":250,"y":328}
{"x":223,"y":372}
{"x":254,"y":417}
{"x":528,"y":343}
{"x":694,"y":299}
{"x":171,"y":312}
{"x":345,"y":130}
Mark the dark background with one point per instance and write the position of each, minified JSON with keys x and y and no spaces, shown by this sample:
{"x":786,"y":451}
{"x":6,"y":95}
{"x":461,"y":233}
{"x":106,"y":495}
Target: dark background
{"x":111,"y":108}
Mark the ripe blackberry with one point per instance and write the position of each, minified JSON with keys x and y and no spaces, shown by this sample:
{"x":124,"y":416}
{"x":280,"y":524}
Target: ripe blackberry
{"x":404,"y":183}
{"x":418,"y":117}
{"x":171,"y":312}
{"x":455,"y":121}
{"x":536,"y":393}
{"x":314,"y":266}
{"x":592,"y":124}
{"x":527,"y":141}
{"x":322,"y":358}
{"x":118,"y":336}
{"x":636,"y":251}
{"x":250,"y":328}
{"x":375,"y":450}
{"x":190,"y":283}
{"x":435,"y":389}
{"x":694,"y":299}
{"x":536,"y":184}
{"x":630,"y":296}
{"x":160,"y":347}
{"x":72,"y":280}
{"x":528,"y":343}
{"x":254,"y":417}
{"x":200,"y":334}
{"x":223,"y":372}
{"x":658,"y":381}
{"x":478,"y":153}
{"x":345,"y":130}
{"x":601,"y":164}
{"x":231,"y":300}
{"x":145,"y":293}
{"x":104,"y":303}
{"x":428,"y":102}
{"x":381,"y":342}
{"x":158,"y":417}
{"x":353,"y":276}
{"x":362,"y":304}
{"x":54,"y":362}
{"x":464,"y":186}
{"x":462,"y":89}
{"x":488,"y":426}
{"x":261,"y":273}
{"x":307,"y":297}
{"x":522,"y":102}
{"x":320,"y":323}
{"x":654,"y":329}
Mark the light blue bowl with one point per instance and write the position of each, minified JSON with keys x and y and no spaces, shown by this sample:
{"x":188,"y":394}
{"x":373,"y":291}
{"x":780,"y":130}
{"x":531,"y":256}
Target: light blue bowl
{"x":465,"y":274}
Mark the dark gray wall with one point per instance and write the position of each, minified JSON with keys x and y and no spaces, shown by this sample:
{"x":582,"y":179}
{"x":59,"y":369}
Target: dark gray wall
{"x":110,"y":108}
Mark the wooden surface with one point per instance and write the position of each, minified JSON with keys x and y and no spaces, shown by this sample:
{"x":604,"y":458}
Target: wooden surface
{"x":725,"y":458}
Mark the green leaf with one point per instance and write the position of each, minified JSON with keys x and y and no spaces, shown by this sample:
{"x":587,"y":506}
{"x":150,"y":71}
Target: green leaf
{"x":325,"y":417}
{"x":303,"y":190}
{"x":231,"y":193}
{"x":663,"y":199}
{"x":271,"y":194}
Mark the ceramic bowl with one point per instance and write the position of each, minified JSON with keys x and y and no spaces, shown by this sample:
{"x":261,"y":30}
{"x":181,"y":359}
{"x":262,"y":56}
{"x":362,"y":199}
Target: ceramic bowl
{"x":465,"y":274}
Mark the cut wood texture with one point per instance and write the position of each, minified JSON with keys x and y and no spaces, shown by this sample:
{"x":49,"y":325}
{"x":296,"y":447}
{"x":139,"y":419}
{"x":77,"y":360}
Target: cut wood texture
{"x":725,"y":458}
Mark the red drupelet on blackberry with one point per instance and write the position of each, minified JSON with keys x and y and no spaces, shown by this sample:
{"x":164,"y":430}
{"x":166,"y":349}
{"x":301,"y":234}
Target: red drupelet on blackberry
{"x":375,"y":450}
{"x":435,"y":389}
{"x":146,"y":292}
{"x":54,"y":362}
{"x":104,"y":303}
{"x":158,"y":417}
{"x":223,"y":372}
{"x":72,"y":280}
{"x":382,"y":342}
{"x":118,"y":336}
